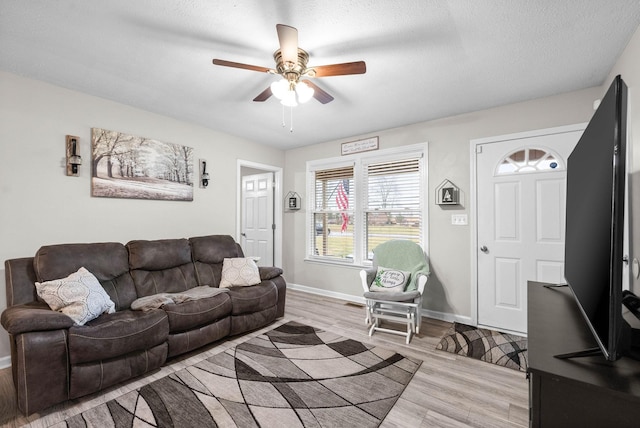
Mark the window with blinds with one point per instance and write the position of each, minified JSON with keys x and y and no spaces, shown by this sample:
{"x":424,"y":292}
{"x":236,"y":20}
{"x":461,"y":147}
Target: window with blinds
{"x":393,"y":204}
{"x":359,"y":202}
{"x":332,"y":235}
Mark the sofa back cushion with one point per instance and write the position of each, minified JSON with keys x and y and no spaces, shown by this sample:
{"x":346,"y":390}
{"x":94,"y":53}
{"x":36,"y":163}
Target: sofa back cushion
{"x":208,"y":254}
{"x":161,"y":266}
{"x":107,"y":261}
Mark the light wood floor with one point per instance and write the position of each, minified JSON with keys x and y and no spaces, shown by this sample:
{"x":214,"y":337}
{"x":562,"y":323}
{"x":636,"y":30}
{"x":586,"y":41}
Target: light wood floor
{"x":447,"y":390}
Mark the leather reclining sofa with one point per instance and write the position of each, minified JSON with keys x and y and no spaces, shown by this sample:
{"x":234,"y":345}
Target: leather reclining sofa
{"x":53,"y":359}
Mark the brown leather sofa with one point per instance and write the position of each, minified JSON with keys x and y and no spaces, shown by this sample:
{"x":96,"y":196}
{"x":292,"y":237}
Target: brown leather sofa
{"x":54,"y":360}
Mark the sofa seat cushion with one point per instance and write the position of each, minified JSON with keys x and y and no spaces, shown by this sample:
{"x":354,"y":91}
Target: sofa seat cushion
{"x":156,"y":301}
{"x":254,"y":298}
{"x":120,"y":333}
{"x":195,"y":313}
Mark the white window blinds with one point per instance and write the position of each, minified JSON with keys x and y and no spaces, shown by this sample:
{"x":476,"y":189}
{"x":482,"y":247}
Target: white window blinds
{"x":356,"y":202}
{"x":333,"y":189}
{"x":393,"y":185}
{"x":393,"y":207}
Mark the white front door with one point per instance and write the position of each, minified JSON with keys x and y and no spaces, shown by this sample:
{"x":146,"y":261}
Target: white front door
{"x":257,"y":217}
{"x":521,"y":195}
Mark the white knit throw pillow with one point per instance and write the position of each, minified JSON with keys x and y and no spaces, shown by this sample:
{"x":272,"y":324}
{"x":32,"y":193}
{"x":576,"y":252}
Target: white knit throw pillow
{"x":79,"y":296}
{"x":239,"y":272}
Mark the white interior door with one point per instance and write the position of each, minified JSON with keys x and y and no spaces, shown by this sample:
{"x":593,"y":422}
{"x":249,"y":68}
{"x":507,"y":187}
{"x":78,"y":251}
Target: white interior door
{"x":521,"y":196}
{"x":257,"y":217}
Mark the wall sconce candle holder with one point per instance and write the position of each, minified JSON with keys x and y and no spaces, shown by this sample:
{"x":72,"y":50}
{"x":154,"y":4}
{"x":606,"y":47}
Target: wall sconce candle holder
{"x":74,"y":160}
{"x":204,"y":175}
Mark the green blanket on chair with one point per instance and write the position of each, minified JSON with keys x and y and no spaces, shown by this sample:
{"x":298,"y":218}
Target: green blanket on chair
{"x":402,"y":255}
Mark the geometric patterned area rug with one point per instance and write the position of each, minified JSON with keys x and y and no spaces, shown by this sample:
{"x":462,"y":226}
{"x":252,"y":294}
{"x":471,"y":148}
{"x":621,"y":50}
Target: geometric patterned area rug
{"x":503,"y":349}
{"x":291,"y":376}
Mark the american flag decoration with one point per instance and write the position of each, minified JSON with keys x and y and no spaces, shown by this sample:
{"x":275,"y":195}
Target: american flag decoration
{"x":342,"y":199}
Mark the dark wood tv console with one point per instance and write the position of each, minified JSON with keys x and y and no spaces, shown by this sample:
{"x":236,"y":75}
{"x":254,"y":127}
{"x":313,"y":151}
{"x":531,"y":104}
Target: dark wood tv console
{"x":578,"y":392}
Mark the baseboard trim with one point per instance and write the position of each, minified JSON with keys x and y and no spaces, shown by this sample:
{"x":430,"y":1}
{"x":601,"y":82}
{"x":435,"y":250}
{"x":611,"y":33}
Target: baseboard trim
{"x":5,"y":362}
{"x":442,"y":316}
{"x":446,"y":316}
{"x":326,"y":293}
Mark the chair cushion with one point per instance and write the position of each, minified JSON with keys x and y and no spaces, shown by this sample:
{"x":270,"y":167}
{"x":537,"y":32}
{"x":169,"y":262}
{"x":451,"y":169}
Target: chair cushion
{"x":391,"y":296}
{"x":117,"y":334}
{"x":253,"y":299}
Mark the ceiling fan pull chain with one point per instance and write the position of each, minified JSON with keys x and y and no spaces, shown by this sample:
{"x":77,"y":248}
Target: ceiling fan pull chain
{"x":291,"y":120}
{"x":283,"y":124}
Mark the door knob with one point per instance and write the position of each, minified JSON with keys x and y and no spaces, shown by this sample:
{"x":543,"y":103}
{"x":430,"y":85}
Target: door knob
{"x":484,"y":249}
{"x":243,"y":234}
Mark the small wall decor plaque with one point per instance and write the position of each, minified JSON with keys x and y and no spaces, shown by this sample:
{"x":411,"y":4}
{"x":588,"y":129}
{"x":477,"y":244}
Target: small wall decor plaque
{"x":360,"y":146}
{"x":447,"y":193}
{"x":293,"y":201}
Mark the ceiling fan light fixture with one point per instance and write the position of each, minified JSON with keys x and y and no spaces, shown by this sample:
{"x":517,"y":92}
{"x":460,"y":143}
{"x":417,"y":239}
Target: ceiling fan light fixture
{"x":289,"y":99}
{"x":304,"y":92}
{"x":291,"y":64}
{"x":279,"y":88}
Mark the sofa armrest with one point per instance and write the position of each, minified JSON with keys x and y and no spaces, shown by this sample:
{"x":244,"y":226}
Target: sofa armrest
{"x":36,"y":316}
{"x":269,"y":272}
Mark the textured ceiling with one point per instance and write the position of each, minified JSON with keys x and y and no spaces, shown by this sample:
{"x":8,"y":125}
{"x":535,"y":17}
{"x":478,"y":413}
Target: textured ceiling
{"x":425,"y":59}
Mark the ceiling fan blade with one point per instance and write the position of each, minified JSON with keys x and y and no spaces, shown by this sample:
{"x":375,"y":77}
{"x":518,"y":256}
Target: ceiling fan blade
{"x":264,"y":95}
{"x":319,"y":93}
{"x":358,"y":67}
{"x":288,"y":38}
{"x":224,"y":63}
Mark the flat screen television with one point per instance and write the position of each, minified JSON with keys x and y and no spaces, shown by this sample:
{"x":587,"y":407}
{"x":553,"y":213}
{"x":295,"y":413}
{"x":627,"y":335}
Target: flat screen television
{"x":595,"y":213}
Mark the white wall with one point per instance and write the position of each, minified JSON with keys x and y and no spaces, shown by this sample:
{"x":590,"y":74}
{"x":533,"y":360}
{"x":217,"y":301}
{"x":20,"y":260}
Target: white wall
{"x":40,"y":205}
{"x":448,"y":289}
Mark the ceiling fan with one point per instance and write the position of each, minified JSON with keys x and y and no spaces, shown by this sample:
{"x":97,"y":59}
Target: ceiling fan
{"x":291,"y":64}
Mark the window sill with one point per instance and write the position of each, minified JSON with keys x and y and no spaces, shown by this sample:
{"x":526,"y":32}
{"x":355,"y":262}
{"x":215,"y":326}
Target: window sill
{"x":338,"y":262}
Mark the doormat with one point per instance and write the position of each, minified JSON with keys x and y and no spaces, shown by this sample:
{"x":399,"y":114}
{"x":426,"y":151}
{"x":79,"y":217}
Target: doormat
{"x":494,"y":347}
{"x":293,"y":375}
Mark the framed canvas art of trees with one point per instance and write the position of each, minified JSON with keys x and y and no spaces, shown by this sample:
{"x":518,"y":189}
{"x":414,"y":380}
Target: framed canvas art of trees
{"x":128,"y":166}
